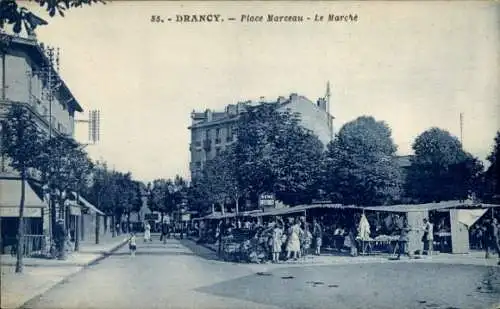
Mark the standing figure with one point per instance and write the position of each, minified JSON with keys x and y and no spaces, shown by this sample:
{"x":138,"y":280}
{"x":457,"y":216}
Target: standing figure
{"x":147,"y":232}
{"x":317,"y":236}
{"x":492,"y":238}
{"x":293,"y":245}
{"x":132,"y":246}
{"x":428,"y":237}
{"x":60,"y":239}
{"x":276,"y":242}
{"x":164,"y":232}
{"x":305,"y":241}
{"x":403,"y":239}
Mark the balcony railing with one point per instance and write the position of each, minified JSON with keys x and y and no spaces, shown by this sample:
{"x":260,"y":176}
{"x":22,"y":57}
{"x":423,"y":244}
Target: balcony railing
{"x":218,"y":140}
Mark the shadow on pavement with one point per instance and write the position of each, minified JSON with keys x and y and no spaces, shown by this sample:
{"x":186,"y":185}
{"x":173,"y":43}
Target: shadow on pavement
{"x":199,"y":250}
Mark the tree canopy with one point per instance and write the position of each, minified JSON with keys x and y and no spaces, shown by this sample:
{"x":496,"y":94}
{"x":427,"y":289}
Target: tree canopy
{"x":441,"y":169}
{"x":19,"y":17}
{"x":491,"y":177}
{"x":275,"y":154}
{"x":360,"y":166}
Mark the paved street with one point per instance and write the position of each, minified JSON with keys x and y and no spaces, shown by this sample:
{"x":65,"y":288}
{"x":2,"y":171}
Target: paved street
{"x":183,"y":275}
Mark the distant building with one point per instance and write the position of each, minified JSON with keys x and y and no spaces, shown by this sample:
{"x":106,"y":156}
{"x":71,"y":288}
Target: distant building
{"x":213,"y":131}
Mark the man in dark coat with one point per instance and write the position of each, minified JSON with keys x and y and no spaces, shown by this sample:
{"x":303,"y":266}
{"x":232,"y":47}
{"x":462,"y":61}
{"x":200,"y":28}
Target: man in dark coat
{"x":60,"y":238}
{"x":492,"y":238}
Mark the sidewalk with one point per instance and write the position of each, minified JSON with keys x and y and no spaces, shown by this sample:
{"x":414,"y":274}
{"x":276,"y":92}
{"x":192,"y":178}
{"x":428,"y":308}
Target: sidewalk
{"x":39,"y":275}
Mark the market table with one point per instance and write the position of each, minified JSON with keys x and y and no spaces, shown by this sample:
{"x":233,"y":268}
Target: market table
{"x":382,"y":240}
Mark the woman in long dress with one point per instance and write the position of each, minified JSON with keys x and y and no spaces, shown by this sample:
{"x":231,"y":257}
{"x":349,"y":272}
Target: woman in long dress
{"x":293,"y":244}
{"x":147,"y":232}
{"x":276,"y":242}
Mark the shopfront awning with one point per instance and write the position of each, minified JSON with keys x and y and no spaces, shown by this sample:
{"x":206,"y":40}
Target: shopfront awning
{"x":88,"y":205}
{"x":10,"y":197}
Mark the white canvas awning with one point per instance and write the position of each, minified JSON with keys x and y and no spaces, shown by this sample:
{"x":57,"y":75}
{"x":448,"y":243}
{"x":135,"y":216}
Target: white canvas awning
{"x":86,"y":204}
{"x":470,"y":216}
{"x":13,"y":212}
{"x":10,"y":198}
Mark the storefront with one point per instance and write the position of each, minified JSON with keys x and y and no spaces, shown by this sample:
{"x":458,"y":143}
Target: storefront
{"x":35,"y":210}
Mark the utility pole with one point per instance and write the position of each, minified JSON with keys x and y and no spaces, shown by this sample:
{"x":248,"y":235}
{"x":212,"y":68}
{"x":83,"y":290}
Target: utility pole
{"x":50,"y":84}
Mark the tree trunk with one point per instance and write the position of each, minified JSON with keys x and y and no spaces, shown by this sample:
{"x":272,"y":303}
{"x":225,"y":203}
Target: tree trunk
{"x":237,"y":205}
{"x":77,"y":232}
{"x":53,"y":214}
{"x":20,"y":227}
{"x":128,"y":223}
{"x":97,"y":225}
{"x":82,"y":227}
{"x":113,"y":226}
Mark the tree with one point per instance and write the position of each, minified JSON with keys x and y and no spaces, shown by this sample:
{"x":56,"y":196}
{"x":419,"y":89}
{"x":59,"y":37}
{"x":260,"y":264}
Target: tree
{"x":274,"y":154}
{"x":19,"y":16}
{"x":219,"y":180}
{"x":441,"y":169}
{"x":491,"y":175}
{"x":197,"y":195}
{"x":21,"y":142}
{"x":65,"y":167}
{"x":360,"y":166}
{"x":162,"y":198}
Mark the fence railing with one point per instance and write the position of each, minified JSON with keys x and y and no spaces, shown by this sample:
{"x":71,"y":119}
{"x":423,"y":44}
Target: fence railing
{"x":32,"y":244}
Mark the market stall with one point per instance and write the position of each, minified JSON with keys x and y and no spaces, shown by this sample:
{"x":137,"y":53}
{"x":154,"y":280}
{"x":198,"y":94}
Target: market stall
{"x":451,"y":221}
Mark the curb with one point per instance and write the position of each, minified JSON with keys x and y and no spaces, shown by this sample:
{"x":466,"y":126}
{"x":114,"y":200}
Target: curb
{"x":202,"y":245}
{"x":67,"y":278}
{"x":106,"y":254}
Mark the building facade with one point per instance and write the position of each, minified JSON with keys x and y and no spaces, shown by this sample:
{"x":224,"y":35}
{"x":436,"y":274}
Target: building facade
{"x":213,"y":131}
{"x":30,"y":78}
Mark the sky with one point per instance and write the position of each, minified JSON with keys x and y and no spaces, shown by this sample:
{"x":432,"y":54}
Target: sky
{"x":414,"y":65}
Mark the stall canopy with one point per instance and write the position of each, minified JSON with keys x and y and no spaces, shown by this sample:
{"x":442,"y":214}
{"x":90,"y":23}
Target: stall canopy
{"x":302,"y":208}
{"x":470,"y":216}
{"x":418,"y":207}
{"x":10,"y":197}
{"x":219,"y":215}
{"x":88,"y":205}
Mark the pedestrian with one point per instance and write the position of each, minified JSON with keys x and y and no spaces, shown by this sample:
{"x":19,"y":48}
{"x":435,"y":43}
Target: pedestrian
{"x":493,"y":238}
{"x":60,"y":239}
{"x":317,"y":236}
{"x":403,"y":239}
{"x":164,"y":232}
{"x":147,"y":232}
{"x":276,"y":242}
{"x":293,"y":244}
{"x":305,"y":241}
{"x":132,"y":246}
{"x":428,"y":237}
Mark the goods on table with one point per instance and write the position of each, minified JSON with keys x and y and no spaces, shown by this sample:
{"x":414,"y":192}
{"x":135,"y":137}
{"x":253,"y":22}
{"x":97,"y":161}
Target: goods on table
{"x":386,"y":238}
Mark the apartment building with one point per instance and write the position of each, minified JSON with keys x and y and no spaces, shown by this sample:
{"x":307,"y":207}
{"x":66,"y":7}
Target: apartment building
{"x":29,"y":78}
{"x":213,"y":131}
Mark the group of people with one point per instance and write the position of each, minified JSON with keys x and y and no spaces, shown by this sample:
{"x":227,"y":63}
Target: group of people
{"x":275,"y":241}
{"x":427,"y":238}
{"x":165,"y":234}
{"x":295,"y":238}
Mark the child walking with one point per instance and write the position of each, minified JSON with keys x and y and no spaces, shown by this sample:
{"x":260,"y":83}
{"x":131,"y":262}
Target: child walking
{"x":132,"y":244}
